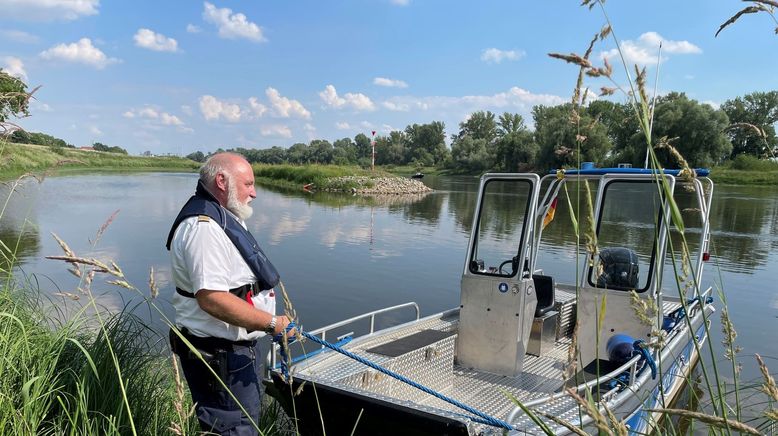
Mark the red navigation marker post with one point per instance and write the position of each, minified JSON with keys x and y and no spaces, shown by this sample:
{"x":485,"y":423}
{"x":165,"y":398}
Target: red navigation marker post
{"x":372,"y":142}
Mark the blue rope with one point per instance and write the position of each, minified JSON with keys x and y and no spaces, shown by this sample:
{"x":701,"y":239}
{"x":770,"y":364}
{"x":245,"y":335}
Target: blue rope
{"x":484,"y":418}
{"x":641,"y":348}
{"x":676,"y":316}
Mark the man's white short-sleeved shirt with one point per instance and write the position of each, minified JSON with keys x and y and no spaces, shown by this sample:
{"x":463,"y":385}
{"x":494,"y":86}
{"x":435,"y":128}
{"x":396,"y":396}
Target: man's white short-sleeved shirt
{"x":203,"y":257}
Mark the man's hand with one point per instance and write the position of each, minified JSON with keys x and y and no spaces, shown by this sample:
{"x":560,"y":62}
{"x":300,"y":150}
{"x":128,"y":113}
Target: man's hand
{"x":233,"y":310}
{"x":281,"y":322}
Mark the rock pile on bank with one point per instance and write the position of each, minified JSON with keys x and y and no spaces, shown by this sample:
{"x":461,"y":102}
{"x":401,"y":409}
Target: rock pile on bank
{"x":377,"y":185}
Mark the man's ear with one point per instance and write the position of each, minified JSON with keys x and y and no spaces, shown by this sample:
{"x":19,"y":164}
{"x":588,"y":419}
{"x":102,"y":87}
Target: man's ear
{"x":221,"y":181}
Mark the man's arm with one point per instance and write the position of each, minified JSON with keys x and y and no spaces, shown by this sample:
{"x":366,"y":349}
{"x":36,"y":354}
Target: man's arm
{"x":232,"y":310}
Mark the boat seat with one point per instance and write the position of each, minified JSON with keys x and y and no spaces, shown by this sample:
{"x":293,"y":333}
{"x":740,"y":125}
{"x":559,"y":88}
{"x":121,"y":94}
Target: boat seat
{"x":544,"y":289}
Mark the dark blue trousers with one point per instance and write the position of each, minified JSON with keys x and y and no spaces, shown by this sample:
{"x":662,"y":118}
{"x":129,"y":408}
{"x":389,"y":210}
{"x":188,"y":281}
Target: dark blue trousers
{"x":238,"y":367}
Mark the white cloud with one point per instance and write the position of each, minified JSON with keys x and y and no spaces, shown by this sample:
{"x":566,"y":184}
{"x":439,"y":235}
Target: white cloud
{"x":309,"y":127}
{"x":151,"y":113}
{"x":151,"y":40}
{"x":366,"y":125}
{"x":19,"y":36}
{"x":258,"y":108}
{"x":391,"y":83}
{"x":14,"y":67}
{"x":496,"y":56}
{"x":400,"y":2}
{"x":191,"y":28}
{"x":276,"y":130}
{"x":186,"y":109}
{"x":95,"y":130}
{"x":342,"y":125}
{"x":515,"y":99}
{"x":215,"y":109}
{"x":359,"y":102}
{"x":285,"y":107}
{"x":48,"y":10}
{"x":396,"y":107}
{"x":82,"y":52}
{"x":232,"y":26}
{"x":170,"y":120}
{"x":714,"y":104}
{"x":645,"y":50}
{"x":43,"y":107}
{"x":386,"y":128}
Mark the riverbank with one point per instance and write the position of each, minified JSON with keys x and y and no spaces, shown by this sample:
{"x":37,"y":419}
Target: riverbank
{"x":19,"y":159}
{"x":336,"y":178}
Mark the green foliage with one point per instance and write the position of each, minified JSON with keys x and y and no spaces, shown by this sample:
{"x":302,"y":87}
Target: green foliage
{"x":197,"y":156}
{"x":759,"y":109}
{"x":557,"y":137}
{"x":102,"y":147}
{"x":19,"y":159}
{"x":304,"y":174}
{"x":13,"y":97}
{"x":516,"y":148}
{"x":471,"y":155}
{"x":426,"y":143}
{"x":697,"y":127}
{"x":751,"y":163}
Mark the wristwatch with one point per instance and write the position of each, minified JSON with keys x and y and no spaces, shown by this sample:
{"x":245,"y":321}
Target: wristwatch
{"x":271,"y":328}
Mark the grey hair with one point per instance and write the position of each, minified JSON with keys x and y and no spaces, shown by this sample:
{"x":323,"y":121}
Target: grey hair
{"x":214,"y":165}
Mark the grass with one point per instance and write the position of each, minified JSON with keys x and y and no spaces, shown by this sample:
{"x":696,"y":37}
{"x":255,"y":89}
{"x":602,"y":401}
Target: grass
{"x":18,"y":159}
{"x":746,"y":170}
{"x":322,"y":177}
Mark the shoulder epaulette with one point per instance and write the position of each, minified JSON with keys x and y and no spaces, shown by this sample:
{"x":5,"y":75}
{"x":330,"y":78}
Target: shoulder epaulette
{"x":203,"y":218}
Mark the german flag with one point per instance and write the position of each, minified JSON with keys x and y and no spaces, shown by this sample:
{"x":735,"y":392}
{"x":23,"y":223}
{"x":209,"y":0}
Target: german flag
{"x":550,"y":214}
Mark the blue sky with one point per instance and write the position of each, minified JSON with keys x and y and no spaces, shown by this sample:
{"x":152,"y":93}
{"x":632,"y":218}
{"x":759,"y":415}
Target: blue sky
{"x":181,"y":76}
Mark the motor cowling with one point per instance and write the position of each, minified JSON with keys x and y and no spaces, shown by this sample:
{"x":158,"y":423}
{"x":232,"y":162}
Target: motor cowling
{"x":619,"y":268}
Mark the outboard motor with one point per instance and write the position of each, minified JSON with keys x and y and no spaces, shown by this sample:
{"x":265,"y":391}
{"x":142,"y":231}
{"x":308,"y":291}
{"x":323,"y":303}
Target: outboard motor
{"x":619,"y":268}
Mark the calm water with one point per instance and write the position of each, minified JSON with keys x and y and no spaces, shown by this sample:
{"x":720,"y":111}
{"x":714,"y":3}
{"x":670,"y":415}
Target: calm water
{"x":340,"y":255}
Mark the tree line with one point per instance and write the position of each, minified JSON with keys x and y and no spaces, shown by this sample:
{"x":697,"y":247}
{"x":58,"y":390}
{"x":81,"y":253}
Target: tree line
{"x":604,"y":132}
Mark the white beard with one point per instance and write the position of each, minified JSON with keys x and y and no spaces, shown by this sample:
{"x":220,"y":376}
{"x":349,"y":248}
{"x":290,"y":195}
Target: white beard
{"x":242,"y":211}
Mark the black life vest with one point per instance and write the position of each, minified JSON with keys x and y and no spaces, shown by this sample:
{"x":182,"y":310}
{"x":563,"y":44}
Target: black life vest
{"x":203,"y":203}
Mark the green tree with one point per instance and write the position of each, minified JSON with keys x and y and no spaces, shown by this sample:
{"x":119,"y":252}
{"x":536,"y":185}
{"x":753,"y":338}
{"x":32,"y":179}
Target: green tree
{"x":480,"y":125}
{"x":344,"y":152}
{"x":296,"y":154}
{"x":13,"y":97}
{"x":102,"y":147}
{"x":363,"y":146}
{"x":320,"y":151}
{"x":471,"y":155}
{"x":695,"y":130}
{"x":563,"y":142}
{"x":516,"y":148}
{"x":623,"y":129}
{"x":197,"y":156}
{"x":390,"y":150}
{"x":426,"y":143}
{"x":760,"y":109}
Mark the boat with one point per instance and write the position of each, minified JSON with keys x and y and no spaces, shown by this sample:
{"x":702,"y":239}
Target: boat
{"x":526,"y":340}
{"x":418,"y":176}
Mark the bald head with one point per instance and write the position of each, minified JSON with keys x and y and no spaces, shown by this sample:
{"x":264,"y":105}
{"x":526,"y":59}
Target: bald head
{"x":230,"y":179}
{"x":221,"y":163}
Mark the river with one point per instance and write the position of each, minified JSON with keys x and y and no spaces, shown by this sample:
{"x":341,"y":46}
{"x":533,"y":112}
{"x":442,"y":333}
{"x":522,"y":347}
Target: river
{"x":341,"y":255}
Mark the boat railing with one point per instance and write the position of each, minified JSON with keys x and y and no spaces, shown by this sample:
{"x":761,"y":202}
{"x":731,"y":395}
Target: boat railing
{"x":631,"y":366}
{"x":322,"y":331}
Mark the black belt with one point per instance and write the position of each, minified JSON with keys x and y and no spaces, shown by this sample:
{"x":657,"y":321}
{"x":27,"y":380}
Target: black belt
{"x":240,"y":291}
{"x":207,"y":343}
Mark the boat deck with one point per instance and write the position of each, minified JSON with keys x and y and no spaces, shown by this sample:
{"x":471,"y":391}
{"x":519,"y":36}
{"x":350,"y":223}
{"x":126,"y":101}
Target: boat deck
{"x":432,"y":364}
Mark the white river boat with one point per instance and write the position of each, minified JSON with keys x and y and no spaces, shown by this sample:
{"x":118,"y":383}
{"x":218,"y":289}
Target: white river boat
{"x":523,"y":334}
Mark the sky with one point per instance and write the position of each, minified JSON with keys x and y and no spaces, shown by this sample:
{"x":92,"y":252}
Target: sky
{"x":183,"y":76}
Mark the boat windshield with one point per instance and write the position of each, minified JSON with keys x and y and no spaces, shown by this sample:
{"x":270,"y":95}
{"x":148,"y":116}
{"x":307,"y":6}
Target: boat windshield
{"x":627,"y":231}
{"x":501,"y":229}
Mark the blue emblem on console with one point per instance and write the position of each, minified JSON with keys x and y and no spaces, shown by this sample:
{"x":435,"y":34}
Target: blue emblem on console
{"x":503,"y":287}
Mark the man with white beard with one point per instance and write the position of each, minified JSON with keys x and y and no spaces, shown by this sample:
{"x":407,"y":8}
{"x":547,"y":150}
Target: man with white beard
{"x":224,"y":297}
